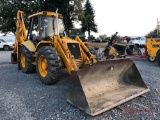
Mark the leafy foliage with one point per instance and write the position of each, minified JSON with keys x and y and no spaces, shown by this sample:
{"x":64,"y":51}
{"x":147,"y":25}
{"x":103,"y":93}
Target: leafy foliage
{"x":88,"y":22}
{"x":153,"y":34}
{"x":8,"y":12}
{"x":92,"y":37}
{"x":103,"y":37}
{"x":70,"y":9}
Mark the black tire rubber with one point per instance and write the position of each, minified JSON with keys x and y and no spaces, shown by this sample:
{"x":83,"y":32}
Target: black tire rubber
{"x":6,"y":48}
{"x":54,"y":69}
{"x":158,"y":58}
{"x":137,"y":45}
{"x":19,"y":59}
{"x":29,"y":68}
{"x":151,"y":60}
{"x":19,"y":65}
{"x":128,"y":51}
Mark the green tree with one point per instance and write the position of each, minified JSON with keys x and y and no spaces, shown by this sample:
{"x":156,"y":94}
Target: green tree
{"x":70,"y":9}
{"x":103,"y":37}
{"x":153,"y":34}
{"x":8,"y":12}
{"x":92,"y":37}
{"x":88,"y":22}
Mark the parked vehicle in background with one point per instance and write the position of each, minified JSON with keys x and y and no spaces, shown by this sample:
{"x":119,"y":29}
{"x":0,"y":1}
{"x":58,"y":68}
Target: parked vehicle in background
{"x":138,"y":41}
{"x":136,"y":45}
{"x":7,"y":41}
{"x":6,"y":45}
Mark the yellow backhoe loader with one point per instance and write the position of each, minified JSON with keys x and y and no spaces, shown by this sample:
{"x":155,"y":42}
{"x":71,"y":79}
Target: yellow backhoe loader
{"x":94,"y":86}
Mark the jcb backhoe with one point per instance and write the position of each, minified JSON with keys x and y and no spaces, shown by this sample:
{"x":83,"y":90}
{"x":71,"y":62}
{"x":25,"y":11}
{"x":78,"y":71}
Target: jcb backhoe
{"x":94,"y":86}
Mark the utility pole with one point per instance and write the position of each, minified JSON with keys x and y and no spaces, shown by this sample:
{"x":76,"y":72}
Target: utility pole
{"x":158,"y":26}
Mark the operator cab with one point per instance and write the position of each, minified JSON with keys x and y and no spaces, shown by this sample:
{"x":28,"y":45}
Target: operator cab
{"x":44,"y":24}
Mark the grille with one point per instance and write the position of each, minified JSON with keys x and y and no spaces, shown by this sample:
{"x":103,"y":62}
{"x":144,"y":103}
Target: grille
{"x":75,"y":50}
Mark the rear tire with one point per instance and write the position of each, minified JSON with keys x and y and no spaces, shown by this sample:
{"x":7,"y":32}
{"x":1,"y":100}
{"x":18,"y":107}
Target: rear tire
{"x":158,"y":58}
{"x":26,"y":59}
{"x":6,"y":48}
{"x":151,"y":59}
{"x":19,"y":59}
{"x":48,"y":65}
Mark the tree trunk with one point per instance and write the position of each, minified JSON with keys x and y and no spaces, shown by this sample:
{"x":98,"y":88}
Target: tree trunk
{"x":89,"y":35}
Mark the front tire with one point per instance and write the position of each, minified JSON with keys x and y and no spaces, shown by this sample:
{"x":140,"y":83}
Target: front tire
{"x":158,"y":58}
{"x":151,"y":59}
{"x":48,"y":65}
{"x":6,"y":48}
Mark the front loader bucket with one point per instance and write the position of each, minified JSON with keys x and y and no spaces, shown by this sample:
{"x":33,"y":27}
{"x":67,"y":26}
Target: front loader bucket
{"x":99,"y":87}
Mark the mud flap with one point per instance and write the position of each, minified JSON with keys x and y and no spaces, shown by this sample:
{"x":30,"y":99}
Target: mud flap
{"x":99,"y":87}
{"x":13,"y":58}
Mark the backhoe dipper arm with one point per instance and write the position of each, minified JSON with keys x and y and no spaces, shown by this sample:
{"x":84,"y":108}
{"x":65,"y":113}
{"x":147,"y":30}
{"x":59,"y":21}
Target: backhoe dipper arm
{"x":112,"y":38}
{"x":20,"y":30}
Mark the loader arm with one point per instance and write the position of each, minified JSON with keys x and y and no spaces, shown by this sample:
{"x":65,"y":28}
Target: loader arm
{"x":19,"y":37}
{"x":68,"y":58}
{"x":87,"y":52}
{"x":65,"y":53}
{"x":20,"y":30}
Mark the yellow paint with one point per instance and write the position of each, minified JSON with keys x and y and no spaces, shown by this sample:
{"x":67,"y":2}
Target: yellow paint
{"x":153,"y":45}
{"x":42,"y":66}
{"x":46,"y":13}
{"x":29,"y":45}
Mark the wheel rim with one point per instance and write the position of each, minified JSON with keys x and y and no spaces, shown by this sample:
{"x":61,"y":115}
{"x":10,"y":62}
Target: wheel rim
{"x":42,"y":66}
{"x":6,"y":48}
{"x":23,"y":60}
{"x":151,"y":58}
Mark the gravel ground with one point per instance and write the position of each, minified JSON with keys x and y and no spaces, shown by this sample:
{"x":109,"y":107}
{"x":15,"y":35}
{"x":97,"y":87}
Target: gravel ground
{"x":24,"y":97}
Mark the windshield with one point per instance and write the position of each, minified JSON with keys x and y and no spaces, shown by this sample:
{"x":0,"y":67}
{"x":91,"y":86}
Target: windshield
{"x":2,"y":40}
{"x":138,"y":38}
{"x":60,"y":26}
{"x":143,"y":38}
{"x":49,"y":25}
